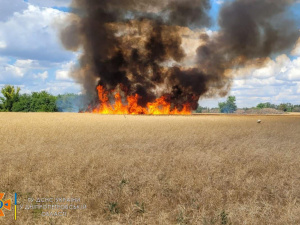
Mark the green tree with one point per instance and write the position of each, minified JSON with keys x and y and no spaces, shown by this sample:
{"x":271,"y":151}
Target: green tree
{"x":296,"y":108}
{"x":199,"y":109}
{"x":23,"y":105}
{"x":286,"y":107}
{"x":266,"y":105}
{"x":10,"y":96}
{"x":229,"y":106}
{"x":43,"y":102}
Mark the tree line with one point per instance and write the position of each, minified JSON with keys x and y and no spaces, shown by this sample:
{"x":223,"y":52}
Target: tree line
{"x":286,"y":107}
{"x":229,"y":106}
{"x":13,"y":101}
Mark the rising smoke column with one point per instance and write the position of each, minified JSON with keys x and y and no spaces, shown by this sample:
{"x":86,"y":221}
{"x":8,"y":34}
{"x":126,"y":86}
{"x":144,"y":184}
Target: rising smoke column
{"x":136,"y":45}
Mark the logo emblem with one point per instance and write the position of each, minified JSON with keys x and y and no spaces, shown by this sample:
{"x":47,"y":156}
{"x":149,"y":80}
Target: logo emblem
{"x":4,"y":204}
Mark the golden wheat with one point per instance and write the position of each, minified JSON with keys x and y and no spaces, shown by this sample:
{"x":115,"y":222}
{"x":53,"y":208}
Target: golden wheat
{"x":206,"y":169}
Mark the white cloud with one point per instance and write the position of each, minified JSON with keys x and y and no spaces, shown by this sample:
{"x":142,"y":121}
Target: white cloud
{"x":290,"y":70}
{"x":22,"y":71}
{"x":298,"y":87}
{"x":32,"y":34}
{"x":15,"y":70}
{"x":277,"y":82}
{"x":2,"y":44}
{"x":42,"y":76}
{"x":273,"y":72}
{"x":63,"y":73}
{"x":51,"y":3}
{"x":219,"y":2}
{"x":8,"y":8}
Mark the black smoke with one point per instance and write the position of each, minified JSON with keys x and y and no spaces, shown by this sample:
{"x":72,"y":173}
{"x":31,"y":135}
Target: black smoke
{"x":136,"y":45}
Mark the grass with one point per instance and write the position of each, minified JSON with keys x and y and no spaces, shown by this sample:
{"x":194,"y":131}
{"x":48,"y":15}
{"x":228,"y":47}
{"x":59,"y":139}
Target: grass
{"x":208,"y":169}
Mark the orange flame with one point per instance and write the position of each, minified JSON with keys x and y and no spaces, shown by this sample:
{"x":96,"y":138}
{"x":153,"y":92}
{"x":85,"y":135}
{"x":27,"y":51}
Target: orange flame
{"x":159,"y":107}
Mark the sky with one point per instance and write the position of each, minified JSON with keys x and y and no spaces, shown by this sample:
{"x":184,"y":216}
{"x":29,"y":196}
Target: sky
{"x":33,"y":58}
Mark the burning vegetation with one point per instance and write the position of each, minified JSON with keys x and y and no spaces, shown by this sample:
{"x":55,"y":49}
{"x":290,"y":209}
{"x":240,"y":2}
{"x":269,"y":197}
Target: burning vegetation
{"x":133,"y":54}
{"x":159,"y":107}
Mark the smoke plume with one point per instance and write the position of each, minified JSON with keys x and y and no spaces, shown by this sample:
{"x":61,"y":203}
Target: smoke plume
{"x":136,"y":45}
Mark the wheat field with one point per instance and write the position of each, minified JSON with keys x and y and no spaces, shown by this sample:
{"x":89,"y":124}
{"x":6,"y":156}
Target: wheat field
{"x":204,"y":169}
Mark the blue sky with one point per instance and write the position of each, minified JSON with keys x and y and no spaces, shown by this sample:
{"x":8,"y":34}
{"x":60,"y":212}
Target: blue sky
{"x":32,"y":57}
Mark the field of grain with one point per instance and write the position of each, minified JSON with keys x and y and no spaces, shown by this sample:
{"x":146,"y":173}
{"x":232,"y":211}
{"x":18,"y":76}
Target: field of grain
{"x":207,"y":169}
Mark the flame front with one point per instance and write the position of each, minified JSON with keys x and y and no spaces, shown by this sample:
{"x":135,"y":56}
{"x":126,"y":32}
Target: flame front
{"x":159,"y":107}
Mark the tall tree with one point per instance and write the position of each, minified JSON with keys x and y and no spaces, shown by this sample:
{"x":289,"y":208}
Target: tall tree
{"x":11,"y":95}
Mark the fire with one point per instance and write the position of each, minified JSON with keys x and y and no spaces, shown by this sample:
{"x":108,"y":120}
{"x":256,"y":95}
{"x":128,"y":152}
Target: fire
{"x":159,"y":107}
